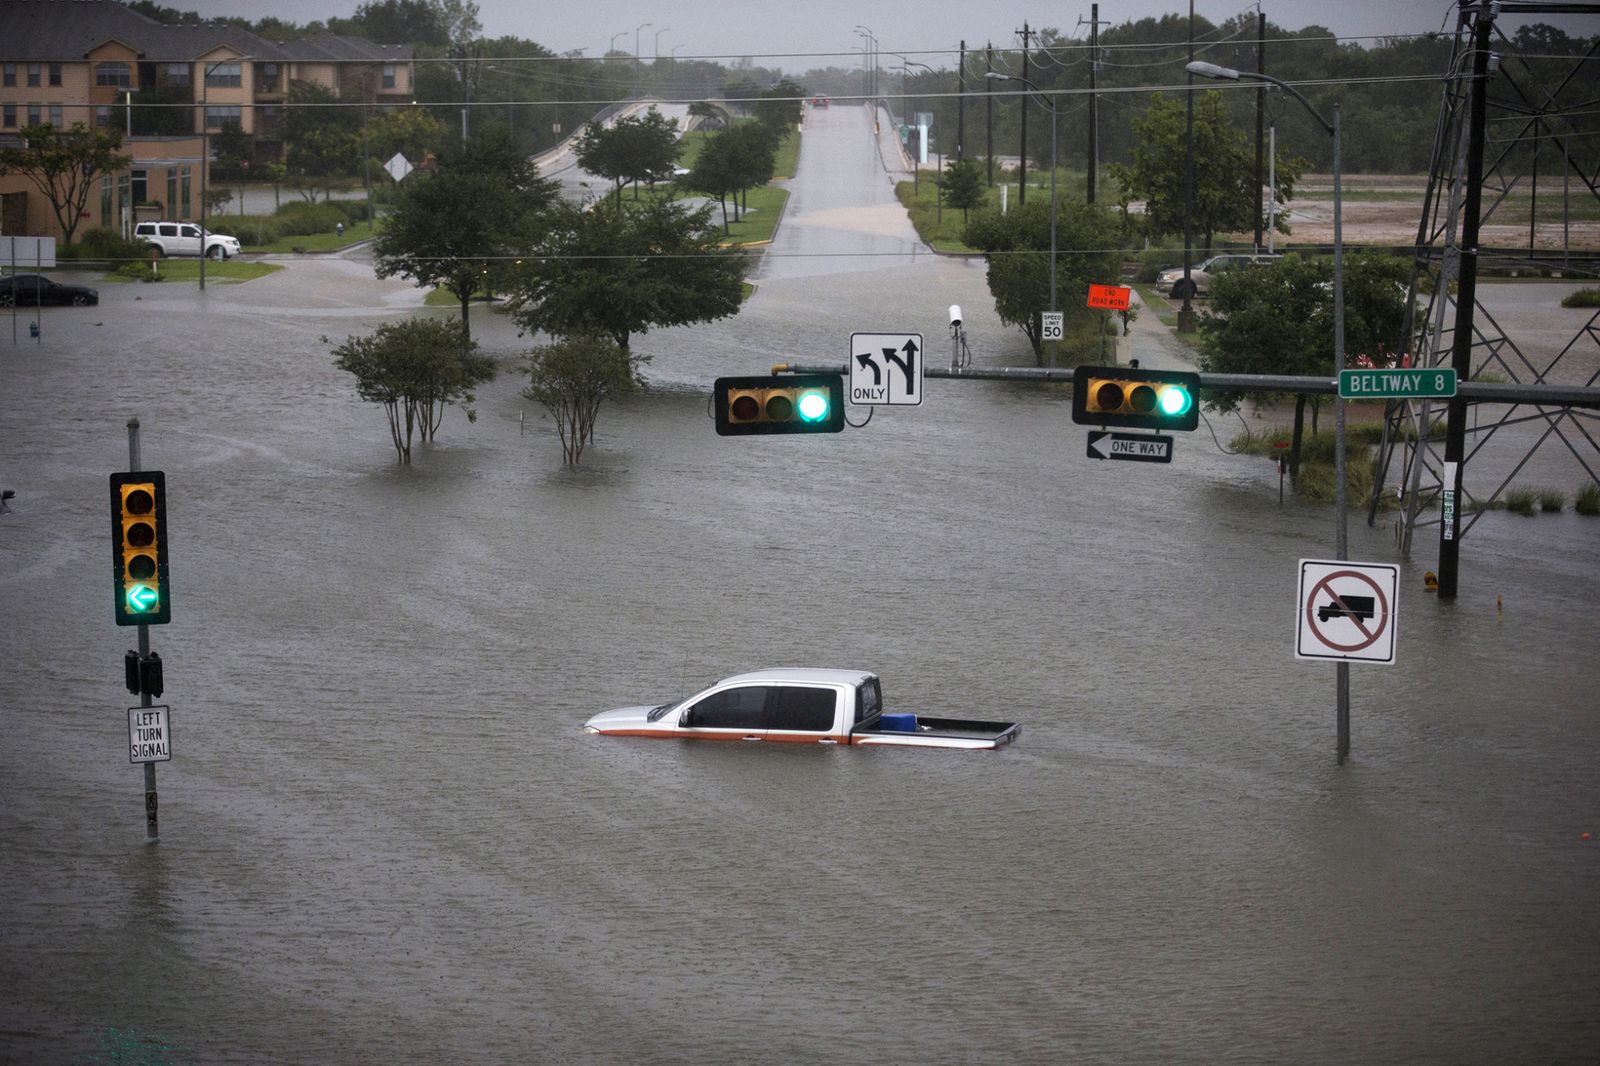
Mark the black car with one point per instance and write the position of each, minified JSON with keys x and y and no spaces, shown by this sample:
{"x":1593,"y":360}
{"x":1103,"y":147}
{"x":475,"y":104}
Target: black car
{"x":34,"y":290}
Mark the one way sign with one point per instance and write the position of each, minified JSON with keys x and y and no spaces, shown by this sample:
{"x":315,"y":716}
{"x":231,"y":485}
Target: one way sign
{"x":886,"y":368}
{"x":1135,"y":447}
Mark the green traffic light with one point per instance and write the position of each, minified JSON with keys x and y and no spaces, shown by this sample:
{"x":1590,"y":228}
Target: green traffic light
{"x":813,"y":406}
{"x":1175,"y":401}
{"x":142,"y":598}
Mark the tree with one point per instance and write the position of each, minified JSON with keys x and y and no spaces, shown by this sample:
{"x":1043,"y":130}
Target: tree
{"x":963,"y":185}
{"x":414,"y":369}
{"x":322,"y":139}
{"x":1278,"y":319}
{"x":64,"y":165}
{"x":402,"y":22}
{"x":1016,"y":246}
{"x":617,"y":273}
{"x":411,"y":131}
{"x":463,"y":224}
{"x":634,"y":148}
{"x":572,"y":377}
{"x":1224,"y":171}
{"x":779,"y":108}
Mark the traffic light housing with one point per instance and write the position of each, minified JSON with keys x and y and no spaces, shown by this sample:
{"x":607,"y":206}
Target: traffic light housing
{"x":786,"y":403}
{"x":139,"y":548}
{"x":1143,"y":399}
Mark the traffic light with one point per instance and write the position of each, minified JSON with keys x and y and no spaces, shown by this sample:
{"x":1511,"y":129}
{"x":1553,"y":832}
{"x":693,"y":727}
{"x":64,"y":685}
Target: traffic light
{"x":1127,"y":396}
{"x":787,"y":403}
{"x":139,"y":547}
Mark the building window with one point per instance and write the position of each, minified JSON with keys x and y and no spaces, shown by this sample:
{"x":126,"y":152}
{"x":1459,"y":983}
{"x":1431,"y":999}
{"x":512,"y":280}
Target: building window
{"x":223,"y":76}
{"x":217,"y":117}
{"x":33,"y":75}
{"x":105,"y":201}
{"x":115,"y":74}
{"x":55,"y":116}
{"x":55,"y":73}
{"x":183,"y":200}
{"x":10,"y":77}
{"x":388,"y":75}
{"x":178,"y":74}
{"x":102,"y":117}
{"x":10,"y":117}
{"x":267,"y":77}
{"x":172,"y":191}
{"x":35,"y":117}
{"x":141,"y":192}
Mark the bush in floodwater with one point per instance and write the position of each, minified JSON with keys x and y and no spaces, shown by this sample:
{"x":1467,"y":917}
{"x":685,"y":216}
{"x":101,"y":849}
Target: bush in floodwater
{"x":1552,"y":500}
{"x":1588,"y":500}
{"x":1582,"y":298}
{"x":1521,"y":501}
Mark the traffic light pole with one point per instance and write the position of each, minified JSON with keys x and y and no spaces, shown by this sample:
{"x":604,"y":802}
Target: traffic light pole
{"x":152,"y":832}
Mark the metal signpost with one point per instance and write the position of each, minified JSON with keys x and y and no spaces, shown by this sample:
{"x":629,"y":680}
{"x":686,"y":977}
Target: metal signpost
{"x":1346,"y":612}
{"x":886,"y":369}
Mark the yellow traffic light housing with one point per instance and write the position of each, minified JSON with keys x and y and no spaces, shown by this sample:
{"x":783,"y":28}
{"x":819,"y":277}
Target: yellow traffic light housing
{"x":139,"y":548}
{"x":786,"y":403}
{"x":1128,"y":396}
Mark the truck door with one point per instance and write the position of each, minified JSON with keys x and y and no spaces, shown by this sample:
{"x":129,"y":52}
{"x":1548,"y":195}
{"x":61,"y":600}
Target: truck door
{"x":804,"y":714}
{"x":738,"y":713}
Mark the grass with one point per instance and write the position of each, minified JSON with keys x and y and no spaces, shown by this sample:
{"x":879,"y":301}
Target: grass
{"x":1582,"y":298}
{"x":760,"y":221}
{"x":313,"y":242}
{"x":1587,"y":501}
{"x":1521,"y":501}
{"x":1317,"y":460}
{"x":1551,"y":501}
{"x":940,"y":228}
{"x":233,"y":271}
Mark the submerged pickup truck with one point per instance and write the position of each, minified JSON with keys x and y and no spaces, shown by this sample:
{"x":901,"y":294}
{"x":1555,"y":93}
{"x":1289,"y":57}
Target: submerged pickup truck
{"x":798,"y":706}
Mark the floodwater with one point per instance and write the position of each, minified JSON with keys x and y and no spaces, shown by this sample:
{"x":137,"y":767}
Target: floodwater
{"x":385,"y":839}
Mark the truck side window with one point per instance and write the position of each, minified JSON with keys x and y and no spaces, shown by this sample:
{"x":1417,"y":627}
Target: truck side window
{"x":733,"y":708}
{"x":867,"y":700}
{"x":808,"y":709}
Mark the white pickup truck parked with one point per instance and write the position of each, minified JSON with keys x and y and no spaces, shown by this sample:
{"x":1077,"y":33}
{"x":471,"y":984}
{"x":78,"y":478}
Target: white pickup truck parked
{"x":798,"y":706}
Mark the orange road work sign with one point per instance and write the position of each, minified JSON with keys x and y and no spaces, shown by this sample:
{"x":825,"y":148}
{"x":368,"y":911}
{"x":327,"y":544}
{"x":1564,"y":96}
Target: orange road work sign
{"x":1109,"y":297}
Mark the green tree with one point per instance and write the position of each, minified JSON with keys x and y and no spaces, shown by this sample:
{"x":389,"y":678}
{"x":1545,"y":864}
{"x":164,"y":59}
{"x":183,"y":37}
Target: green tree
{"x":322,"y":140}
{"x":1016,"y":246}
{"x":634,"y":148}
{"x":1224,"y":171}
{"x":618,"y":273}
{"x":402,"y":22}
{"x":963,"y":185}
{"x":414,"y":369}
{"x":779,"y":108}
{"x":1278,"y":319}
{"x":64,"y":165}
{"x":462,"y":225}
{"x":572,"y":377}
{"x":411,"y":131}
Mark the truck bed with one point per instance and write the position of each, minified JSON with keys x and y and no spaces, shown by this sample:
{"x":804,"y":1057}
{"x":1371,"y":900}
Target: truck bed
{"x":939,"y":733}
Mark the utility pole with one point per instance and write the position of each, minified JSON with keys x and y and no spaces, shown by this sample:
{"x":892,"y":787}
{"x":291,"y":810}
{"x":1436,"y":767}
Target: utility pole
{"x":988,"y":105}
{"x":961,"y":107}
{"x":1261,"y":112}
{"x":1186,"y":312}
{"x":1022,"y":163}
{"x":1094,"y":97}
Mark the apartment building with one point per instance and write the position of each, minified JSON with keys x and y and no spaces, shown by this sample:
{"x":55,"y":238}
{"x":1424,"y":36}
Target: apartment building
{"x":166,"y":87}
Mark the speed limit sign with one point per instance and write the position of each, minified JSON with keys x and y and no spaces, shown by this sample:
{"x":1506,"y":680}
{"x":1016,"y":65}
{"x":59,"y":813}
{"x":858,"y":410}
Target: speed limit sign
{"x":1052,"y":325}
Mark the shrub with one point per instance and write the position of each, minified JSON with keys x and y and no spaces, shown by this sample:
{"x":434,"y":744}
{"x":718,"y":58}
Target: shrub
{"x":1587,"y":500}
{"x":1521,"y":501}
{"x":104,"y":246}
{"x":1552,"y":500}
{"x":139,"y":272}
{"x":1582,"y":298}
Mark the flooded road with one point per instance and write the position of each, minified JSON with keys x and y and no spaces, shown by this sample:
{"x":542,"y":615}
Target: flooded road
{"x":384,"y":837}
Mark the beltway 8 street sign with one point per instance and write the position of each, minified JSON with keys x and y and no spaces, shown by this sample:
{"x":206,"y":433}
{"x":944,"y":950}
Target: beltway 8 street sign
{"x":1346,"y":611}
{"x":1419,"y":383}
{"x":886,"y":369}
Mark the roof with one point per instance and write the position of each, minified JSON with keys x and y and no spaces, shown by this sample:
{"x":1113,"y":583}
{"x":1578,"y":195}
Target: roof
{"x":66,"y":31}
{"x":779,"y":675}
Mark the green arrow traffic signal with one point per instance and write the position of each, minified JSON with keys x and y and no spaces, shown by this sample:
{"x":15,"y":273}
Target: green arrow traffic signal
{"x":142,"y":598}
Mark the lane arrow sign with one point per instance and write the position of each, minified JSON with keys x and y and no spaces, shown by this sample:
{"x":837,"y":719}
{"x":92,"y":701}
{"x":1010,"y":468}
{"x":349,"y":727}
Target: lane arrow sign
{"x":1132,"y":447}
{"x":908,"y":365}
{"x":868,"y":363}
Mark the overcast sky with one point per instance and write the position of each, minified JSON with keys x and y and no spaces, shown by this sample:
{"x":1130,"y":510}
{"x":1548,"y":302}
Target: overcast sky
{"x":797,"y":35}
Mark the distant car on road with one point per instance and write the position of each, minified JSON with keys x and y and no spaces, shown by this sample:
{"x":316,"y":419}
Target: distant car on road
{"x":819,"y":101}
{"x":1201,"y":275}
{"x":183,"y":238}
{"x":36,"y":290}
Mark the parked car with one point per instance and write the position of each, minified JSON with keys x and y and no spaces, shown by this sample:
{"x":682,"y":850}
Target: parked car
{"x":1201,"y":275}
{"x":35,"y":290}
{"x":184,"y":238}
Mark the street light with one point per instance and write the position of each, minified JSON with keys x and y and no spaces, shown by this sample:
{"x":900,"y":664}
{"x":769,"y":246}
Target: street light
{"x":613,"y":46}
{"x":871,"y":47}
{"x":1341,"y":540}
{"x":995,"y":75}
{"x":658,"y":41}
{"x":205,"y":148}
{"x":641,"y":26}
{"x":922,"y":149}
